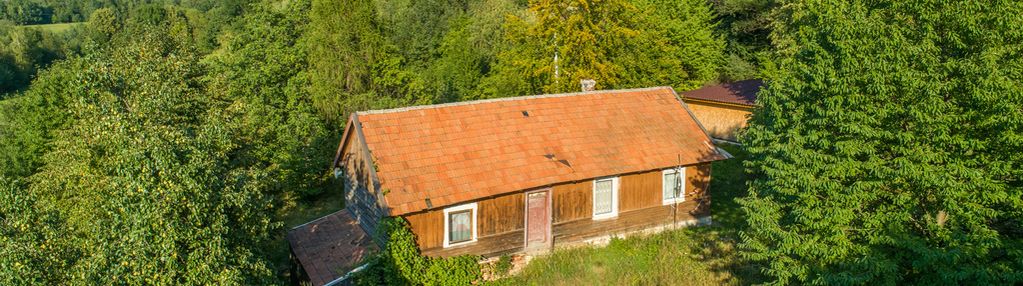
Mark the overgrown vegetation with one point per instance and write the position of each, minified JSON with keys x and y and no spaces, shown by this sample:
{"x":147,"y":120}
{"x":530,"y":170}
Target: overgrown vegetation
{"x":205,"y":126}
{"x":167,"y":142}
{"x":400,"y":262}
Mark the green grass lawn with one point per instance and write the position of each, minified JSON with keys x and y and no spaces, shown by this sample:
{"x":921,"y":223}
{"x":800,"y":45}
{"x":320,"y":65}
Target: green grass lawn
{"x":54,"y":28}
{"x":687,"y":256}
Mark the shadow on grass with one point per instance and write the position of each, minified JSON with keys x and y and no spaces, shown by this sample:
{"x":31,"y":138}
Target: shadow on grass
{"x":719,"y":241}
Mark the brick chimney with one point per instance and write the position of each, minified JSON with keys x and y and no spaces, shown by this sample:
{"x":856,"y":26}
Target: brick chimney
{"x":588,"y":84}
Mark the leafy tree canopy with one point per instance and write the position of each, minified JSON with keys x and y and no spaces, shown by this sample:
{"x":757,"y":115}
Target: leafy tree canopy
{"x":558,"y":43}
{"x":886,"y":147}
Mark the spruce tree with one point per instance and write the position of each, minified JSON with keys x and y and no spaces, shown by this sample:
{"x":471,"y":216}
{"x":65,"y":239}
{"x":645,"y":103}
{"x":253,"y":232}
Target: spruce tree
{"x":888,"y":145}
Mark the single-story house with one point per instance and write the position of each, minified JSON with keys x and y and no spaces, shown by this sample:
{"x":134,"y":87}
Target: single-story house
{"x":526,"y":174}
{"x":724,"y":109}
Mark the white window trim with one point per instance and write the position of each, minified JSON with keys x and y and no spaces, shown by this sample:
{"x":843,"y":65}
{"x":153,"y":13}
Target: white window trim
{"x":447,"y":226}
{"x":682,"y":195}
{"x":614,"y":199}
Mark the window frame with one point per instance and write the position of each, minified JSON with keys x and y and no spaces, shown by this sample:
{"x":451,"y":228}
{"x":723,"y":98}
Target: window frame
{"x":472,"y":207}
{"x":614,"y":199}
{"x":682,"y":196}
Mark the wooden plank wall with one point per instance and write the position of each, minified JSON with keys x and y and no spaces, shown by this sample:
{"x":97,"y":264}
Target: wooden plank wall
{"x":428,"y":227}
{"x":625,"y":222}
{"x":572,"y":201}
{"x":501,"y":218}
{"x":721,"y":121}
{"x":497,"y":215}
{"x":640,"y":190}
{"x":502,"y":214}
{"x":363,"y":204}
{"x":697,"y":184}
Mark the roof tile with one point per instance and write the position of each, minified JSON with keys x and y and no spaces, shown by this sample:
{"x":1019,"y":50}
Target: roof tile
{"x":465,"y":151}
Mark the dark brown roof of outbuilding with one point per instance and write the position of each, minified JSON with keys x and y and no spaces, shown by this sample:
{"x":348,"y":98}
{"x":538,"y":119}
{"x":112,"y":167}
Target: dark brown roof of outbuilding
{"x":330,"y":246}
{"x":454,"y":153}
{"x":740,"y":92}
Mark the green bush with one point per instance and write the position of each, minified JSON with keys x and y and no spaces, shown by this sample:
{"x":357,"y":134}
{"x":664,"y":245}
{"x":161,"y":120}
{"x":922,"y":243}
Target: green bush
{"x":400,"y":263}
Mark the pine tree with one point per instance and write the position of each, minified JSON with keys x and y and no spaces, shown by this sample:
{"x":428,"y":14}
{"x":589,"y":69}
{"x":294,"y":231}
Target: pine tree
{"x":887,"y":148}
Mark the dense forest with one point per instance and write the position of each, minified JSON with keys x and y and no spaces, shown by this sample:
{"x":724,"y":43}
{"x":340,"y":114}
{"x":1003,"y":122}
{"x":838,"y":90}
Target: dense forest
{"x":163,"y":142}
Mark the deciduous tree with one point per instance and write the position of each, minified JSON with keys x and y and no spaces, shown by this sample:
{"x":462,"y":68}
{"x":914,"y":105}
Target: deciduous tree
{"x":886,"y":148}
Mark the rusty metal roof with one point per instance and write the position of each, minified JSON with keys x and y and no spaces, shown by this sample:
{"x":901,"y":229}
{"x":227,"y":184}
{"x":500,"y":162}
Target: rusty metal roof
{"x":740,"y":92}
{"x":330,"y":246}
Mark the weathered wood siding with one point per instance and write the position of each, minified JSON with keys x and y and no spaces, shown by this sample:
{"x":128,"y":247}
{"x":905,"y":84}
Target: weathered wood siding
{"x":428,"y":227}
{"x":501,"y":219}
{"x":641,"y":206}
{"x":637,"y":191}
{"x":633,"y":220}
{"x":360,"y":198}
{"x":572,"y":201}
{"x":697,"y":186}
{"x":502,"y":214}
{"x":721,"y":121}
{"x":497,"y":215}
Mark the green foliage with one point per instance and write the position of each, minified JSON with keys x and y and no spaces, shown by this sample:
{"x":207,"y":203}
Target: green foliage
{"x":468,"y":50}
{"x":25,"y":50}
{"x":31,"y":245}
{"x":400,"y":263}
{"x":350,"y":64}
{"x":747,"y":26}
{"x":24,"y":12}
{"x":23,"y":135}
{"x":163,"y":141}
{"x":417,"y":26}
{"x":886,"y":148}
{"x":566,"y":41}
{"x":681,"y":48}
{"x":261,"y":69}
{"x":143,"y":176}
{"x":560,"y":43}
{"x":104,"y":23}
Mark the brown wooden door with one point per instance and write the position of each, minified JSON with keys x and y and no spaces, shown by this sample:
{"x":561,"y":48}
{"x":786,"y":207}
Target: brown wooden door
{"x":538,"y":220}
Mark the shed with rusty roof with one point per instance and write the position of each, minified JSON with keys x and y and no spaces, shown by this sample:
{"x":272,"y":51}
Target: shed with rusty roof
{"x":723,"y":109}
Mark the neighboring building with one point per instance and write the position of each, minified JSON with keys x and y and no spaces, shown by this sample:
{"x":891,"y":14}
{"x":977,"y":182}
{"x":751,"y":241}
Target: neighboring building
{"x":724,"y":109}
{"x":526,"y":174}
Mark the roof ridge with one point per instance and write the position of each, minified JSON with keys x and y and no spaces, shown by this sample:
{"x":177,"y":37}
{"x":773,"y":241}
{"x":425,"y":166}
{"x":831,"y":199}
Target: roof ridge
{"x":500,"y":99}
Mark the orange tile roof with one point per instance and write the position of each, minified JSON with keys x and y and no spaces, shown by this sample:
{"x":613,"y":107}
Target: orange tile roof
{"x":453,"y":153}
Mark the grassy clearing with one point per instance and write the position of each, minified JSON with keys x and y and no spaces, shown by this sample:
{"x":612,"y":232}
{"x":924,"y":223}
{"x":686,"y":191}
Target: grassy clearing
{"x":689,"y":256}
{"x":53,"y":28}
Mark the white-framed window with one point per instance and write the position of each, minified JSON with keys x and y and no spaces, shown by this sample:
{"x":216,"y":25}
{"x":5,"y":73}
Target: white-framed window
{"x":460,"y":224}
{"x":605,"y":198}
{"x":673,"y":185}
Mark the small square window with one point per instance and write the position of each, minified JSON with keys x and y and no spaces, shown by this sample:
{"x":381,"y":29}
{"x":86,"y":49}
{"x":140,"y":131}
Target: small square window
{"x":673,"y":186}
{"x":460,"y":224}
